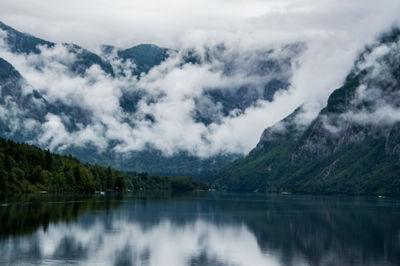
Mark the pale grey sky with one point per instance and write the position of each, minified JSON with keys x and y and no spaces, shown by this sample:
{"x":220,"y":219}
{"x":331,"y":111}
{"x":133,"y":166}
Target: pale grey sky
{"x":127,"y":22}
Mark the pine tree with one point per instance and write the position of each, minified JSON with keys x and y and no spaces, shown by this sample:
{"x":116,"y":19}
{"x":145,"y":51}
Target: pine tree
{"x":49,"y":161}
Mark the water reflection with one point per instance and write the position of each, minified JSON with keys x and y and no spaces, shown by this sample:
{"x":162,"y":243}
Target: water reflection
{"x":26,"y":213}
{"x":207,"y":229}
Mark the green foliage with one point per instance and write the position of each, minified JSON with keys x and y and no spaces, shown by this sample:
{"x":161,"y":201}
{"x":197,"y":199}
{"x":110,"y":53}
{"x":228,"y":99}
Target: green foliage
{"x":358,"y":168}
{"x":186,"y":183}
{"x":25,"y":168}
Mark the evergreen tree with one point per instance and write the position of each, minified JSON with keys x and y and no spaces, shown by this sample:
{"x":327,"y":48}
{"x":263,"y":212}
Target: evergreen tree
{"x":25,"y":168}
{"x":49,"y":161}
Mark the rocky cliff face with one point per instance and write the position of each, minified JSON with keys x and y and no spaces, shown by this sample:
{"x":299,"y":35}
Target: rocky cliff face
{"x":352,"y":146}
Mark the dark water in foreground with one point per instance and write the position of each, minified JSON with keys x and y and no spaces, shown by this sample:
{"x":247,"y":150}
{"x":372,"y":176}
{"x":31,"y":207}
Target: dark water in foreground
{"x":169,"y":229}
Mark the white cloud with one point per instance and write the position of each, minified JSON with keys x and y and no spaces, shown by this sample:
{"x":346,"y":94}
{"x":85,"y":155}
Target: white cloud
{"x":376,"y":100}
{"x":56,"y":137}
{"x":333,"y":31}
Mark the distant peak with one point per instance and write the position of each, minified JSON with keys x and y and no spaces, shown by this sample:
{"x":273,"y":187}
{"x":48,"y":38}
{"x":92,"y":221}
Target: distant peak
{"x":146,"y":47}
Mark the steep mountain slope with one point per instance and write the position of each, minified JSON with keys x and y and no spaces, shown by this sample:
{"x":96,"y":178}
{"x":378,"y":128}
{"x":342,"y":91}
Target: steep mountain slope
{"x":24,"y":110}
{"x":18,"y":109}
{"x":351,"y":147}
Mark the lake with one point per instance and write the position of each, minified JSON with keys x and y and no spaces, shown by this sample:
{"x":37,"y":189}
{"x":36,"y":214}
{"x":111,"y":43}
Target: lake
{"x":174,"y":229}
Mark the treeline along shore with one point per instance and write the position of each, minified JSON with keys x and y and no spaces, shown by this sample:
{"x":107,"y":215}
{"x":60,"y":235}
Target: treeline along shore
{"x":25,"y":168}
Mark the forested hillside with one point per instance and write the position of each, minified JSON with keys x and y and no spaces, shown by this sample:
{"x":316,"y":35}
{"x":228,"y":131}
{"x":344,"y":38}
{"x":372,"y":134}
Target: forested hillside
{"x":26,"y":168}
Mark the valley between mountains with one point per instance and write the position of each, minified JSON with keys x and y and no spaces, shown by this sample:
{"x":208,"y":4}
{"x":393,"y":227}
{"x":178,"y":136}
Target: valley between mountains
{"x":110,"y":108}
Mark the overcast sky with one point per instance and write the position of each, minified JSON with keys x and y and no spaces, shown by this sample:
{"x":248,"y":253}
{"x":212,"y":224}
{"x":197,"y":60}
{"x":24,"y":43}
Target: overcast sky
{"x":127,"y":22}
{"x":334,"y":31}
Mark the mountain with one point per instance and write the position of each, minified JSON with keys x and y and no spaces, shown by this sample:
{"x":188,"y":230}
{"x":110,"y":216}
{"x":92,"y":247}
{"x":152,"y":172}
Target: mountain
{"x":29,"y":111}
{"x":24,"y":109}
{"x":270,"y":68}
{"x":144,"y":56}
{"x":17,"y":106}
{"x":351,"y":147}
{"x":21,"y":114}
{"x":24,"y":43}
{"x":21,"y":42}
{"x":85,"y":59}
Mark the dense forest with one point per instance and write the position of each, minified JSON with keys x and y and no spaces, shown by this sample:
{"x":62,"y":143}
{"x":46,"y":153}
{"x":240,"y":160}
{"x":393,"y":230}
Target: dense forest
{"x":25,"y":168}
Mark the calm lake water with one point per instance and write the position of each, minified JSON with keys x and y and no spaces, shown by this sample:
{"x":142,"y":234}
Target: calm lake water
{"x":174,"y":229}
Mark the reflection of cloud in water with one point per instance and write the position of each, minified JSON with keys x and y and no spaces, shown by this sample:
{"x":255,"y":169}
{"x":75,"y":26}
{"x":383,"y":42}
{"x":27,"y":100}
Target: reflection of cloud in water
{"x":210,"y":231}
{"x":197,"y":243}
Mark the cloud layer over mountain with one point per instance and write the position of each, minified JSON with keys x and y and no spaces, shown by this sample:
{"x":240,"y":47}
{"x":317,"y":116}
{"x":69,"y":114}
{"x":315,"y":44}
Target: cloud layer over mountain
{"x":177,"y":110}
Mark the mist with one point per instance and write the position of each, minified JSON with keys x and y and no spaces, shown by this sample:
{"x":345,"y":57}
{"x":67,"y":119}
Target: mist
{"x":331,"y":34}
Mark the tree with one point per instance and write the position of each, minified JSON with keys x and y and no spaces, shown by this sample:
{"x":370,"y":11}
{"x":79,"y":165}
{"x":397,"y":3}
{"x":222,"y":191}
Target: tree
{"x":109,"y":178}
{"x":2,"y":177}
{"x":84,"y":179}
{"x":45,"y":177}
{"x":120,"y":182}
{"x":49,"y":161}
{"x":36,"y":175}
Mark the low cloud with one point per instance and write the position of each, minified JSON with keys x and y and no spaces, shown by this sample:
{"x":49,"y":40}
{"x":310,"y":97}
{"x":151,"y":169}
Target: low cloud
{"x":176,"y":110}
{"x":172,"y":94}
{"x":376,"y":100}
